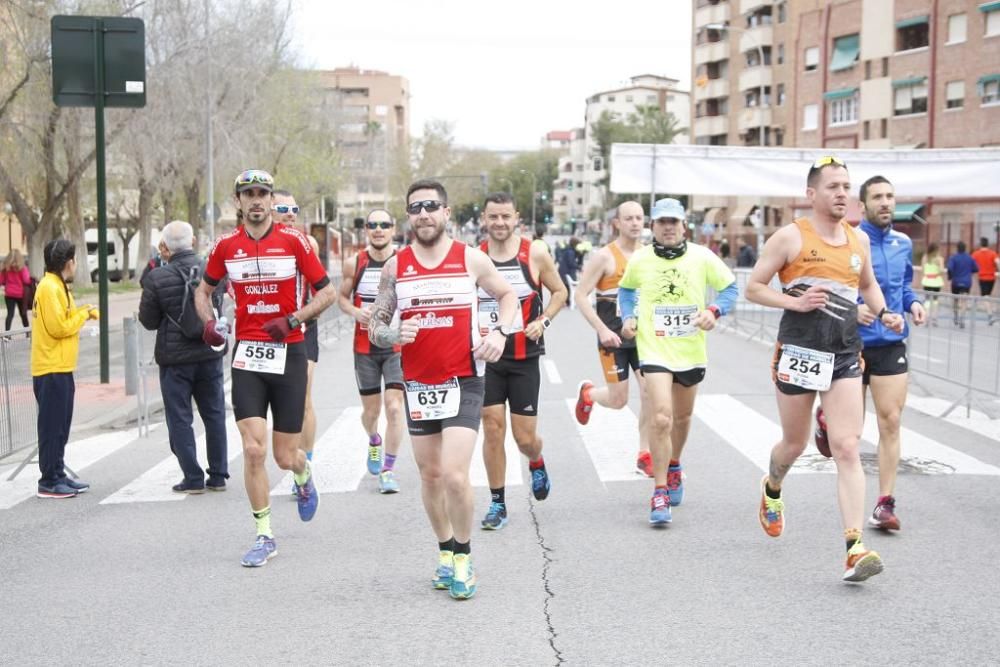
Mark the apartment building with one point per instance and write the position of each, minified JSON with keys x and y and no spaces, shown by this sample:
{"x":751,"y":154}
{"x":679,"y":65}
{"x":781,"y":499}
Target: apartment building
{"x":876,"y":74}
{"x":370,"y":112}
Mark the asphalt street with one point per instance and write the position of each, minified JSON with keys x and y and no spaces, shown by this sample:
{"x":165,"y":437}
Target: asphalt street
{"x":132,"y":574}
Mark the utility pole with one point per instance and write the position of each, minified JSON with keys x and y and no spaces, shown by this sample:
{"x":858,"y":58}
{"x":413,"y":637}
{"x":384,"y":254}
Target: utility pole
{"x":209,"y":168}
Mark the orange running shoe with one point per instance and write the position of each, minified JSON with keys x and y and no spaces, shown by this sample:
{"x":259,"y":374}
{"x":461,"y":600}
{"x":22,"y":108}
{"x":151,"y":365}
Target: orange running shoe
{"x":583,"y":402}
{"x":862,"y":563}
{"x":772,"y":512}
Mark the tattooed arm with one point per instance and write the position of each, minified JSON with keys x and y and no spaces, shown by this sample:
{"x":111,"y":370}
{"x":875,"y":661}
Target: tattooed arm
{"x":380,"y":330}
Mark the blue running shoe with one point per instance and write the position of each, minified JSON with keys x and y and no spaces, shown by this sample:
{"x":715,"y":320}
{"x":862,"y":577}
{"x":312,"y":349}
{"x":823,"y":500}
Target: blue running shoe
{"x":308,"y":497}
{"x":295,"y":489}
{"x":659,"y":514}
{"x":540,"y":484}
{"x":387,"y":482}
{"x":496,"y":517}
{"x":263,"y":549}
{"x":675,"y":484}
{"x":374,"y":459}
{"x":445,"y":571}
{"x":463,"y":581}
{"x":77,"y":485}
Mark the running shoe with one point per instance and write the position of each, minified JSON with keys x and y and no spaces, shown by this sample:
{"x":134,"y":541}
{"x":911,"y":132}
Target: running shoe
{"x":884,"y":517}
{"x":540,"y":484}
{"x":295,"y":489}
{"x":822,"y":442}
{"x":77,"y":485}
{"x":387,"y":482}
{"x":188,"y":487}
{"x":263,"y":549}
{"x":659,"y":512}
{"x":772,"y":512}
{"x":308,"y":497}
{"x":862,"y":563}
{"x":374,"y":459}
{"x":496,"y":517}
{"x":583,"y":403}
{"x":445,"y":571}
{"x":644,"y":464}
{"x":463,"y":581}
{"x":675,"y":484}
{"x":55,"y":490}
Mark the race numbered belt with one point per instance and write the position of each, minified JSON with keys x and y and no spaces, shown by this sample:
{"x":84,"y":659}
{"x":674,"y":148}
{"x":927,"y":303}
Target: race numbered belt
{"x":433,"y":401}
{"x":489,"y":317}
{"x":806,"y":368}
{"x":675,"y":321}
{"x":260,"y":356}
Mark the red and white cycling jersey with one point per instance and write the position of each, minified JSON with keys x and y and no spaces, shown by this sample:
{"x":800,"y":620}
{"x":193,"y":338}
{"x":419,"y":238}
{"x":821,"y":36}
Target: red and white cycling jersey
{"x":265,"y":274}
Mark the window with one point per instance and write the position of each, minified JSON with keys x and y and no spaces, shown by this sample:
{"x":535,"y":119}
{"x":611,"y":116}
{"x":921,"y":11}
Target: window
{"x":781,"y":94}
{"x":845,"y":52}
{"x":812,"y":58}
{"x":910,"y":96}
{"x":884,"y":128}
{"x":782,"y":12}
{"x":753,"y":56}
{"x":989,"y":89}
{"x":718,"y":106}
{"x":867,"y":132}
{"x":760,"y":17}
{"x":954,"y":93}
{"x":992,"y":21}
{"x":956,"y":28}
{"x":843,"y":111}
{"x":779,"y":137}
{"x":913,"y":33}
{"x":752,"y":97}
{"x":611,"y":98}
{"x":651,"y":99}
{"x":810,"y":117}
{"x":781,"y":54}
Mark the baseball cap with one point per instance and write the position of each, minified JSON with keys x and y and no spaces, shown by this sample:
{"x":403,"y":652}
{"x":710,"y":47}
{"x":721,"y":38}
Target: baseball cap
{"x":254,"y":178}
{"x":667,"y":208}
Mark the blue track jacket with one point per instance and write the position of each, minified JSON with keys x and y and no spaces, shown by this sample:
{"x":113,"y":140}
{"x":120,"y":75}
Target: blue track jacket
{"x":892,"y":260}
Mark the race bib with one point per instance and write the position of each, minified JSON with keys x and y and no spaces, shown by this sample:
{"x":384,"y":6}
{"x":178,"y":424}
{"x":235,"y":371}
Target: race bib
{"x":260,"y":356}
{"x":489,"y":317}
{"x":675,"y":321}
{"x":433,"y":401}
{"x":802,"y":367}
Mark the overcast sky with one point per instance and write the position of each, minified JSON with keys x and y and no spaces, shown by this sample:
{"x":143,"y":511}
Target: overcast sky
{"x":504,"y":73}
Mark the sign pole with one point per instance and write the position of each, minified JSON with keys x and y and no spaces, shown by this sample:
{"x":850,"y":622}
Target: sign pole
{"x":102,"y":212}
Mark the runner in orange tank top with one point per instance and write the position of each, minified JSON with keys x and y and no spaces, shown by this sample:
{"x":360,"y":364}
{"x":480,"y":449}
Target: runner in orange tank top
{"x":823,"y":265}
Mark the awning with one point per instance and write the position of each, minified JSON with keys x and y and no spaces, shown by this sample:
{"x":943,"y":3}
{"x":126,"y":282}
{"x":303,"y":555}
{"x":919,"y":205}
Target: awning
{"x":990,"y":7}
{"x":839,"y":94}
{"x":845,"y":52}
{"x":716,"y":216}
{"x":904,"y":212}
{"x":916,"y":20}
{"x":983,"y":80}
{"x":909,"y":81}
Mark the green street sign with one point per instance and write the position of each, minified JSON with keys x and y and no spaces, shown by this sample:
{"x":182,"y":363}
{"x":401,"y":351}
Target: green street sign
{"x":76,"y":56}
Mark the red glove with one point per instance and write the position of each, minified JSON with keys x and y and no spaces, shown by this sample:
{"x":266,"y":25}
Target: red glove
{"x":278,"y":328}
{"x":211,"y":336}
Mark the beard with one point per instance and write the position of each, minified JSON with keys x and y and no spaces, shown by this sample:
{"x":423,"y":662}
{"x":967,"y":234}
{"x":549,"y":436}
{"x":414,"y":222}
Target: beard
{"x":501,"y":234}
{"x":430,"y":241}
{"x":380,"y":247}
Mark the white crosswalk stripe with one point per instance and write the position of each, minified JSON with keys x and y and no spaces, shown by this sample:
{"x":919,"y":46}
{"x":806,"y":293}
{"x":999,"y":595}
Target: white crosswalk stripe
{"x":339,"y":456}
{"x":611,"y":439}
{"x":477,"y":470}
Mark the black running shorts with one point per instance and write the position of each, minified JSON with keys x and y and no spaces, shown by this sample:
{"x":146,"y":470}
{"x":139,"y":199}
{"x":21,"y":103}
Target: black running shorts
{"x":885,"y":360}
{"x":312,"y":340}
{"x":615,"y":361}
{"x":688,"y":378}
{"x":845,"y":365}
{"x":469,"y":411}
{"x":516,"y":382}
{"x":254,"y":392}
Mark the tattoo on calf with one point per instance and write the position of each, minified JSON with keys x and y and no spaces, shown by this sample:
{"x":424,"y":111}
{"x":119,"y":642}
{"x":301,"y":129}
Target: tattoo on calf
{"x":777,"y":472}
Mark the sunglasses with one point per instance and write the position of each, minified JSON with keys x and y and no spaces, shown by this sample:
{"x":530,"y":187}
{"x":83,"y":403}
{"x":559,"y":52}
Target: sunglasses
{"x":384,"y":224}
{"x":429,"y":205}
{"x":829,"y":159}
{"x":252,"y":176}
{"x":285,"y":208}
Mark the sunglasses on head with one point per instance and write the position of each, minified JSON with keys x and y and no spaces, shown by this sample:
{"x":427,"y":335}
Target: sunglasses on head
{"x":382,"y":224}
{"x":429,"y":205}
{"x":255,"y":176}
{"x":829,"y":159}
{"x":285,"y":208}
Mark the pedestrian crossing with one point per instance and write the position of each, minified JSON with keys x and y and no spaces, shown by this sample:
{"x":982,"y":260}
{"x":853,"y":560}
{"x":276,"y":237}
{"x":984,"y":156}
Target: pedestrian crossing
{"x":610,"y":443}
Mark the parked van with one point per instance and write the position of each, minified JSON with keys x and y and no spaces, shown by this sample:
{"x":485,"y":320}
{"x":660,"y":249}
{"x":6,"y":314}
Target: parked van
{"x":116,"y":254}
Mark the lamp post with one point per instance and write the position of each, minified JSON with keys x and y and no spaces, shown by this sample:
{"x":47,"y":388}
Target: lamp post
{"x":510,"y":185}
{"x":8,"y":210}
{"x":534,"y":193}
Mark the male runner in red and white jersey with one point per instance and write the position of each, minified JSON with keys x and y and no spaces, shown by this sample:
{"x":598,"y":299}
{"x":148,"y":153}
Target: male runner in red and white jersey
{"x":374,"y":364}
{"x":515,"y":378}
{"x":263,"y":260}
{"x":434,"y":285}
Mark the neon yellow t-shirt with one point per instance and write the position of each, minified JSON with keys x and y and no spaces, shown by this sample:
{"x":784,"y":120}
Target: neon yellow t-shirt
{"x":673,"y":292}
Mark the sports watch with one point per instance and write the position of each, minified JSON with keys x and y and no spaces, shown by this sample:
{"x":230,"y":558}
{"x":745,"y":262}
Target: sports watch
{"x":293,"y":322}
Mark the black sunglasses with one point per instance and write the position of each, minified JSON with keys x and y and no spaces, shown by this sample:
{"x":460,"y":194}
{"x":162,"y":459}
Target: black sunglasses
{"x":383,"y":224}
{"x":285,"y":208}
{"x":429,"y":205}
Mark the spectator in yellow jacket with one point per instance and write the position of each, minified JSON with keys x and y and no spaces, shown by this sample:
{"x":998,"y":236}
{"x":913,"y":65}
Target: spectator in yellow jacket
{"x":55,"y":344}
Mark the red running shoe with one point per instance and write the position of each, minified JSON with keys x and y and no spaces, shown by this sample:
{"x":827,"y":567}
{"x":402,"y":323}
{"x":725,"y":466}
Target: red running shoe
{"x":884,"y":517}
{"x":644,"y":464}
{"x":583,"y":403}
{"x":822,"y":443}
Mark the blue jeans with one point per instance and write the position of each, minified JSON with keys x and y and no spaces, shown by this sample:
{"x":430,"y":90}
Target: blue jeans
{"x":54,"y":393}
{"x":201,"y":381}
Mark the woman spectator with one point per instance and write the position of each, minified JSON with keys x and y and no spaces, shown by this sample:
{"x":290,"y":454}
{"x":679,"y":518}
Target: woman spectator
{"x":15,"y":278}
{"x":932,"y":280}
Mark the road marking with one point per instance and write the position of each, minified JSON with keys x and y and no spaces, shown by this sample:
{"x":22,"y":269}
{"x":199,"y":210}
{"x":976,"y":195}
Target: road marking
{"x":611,"y":439}
{"x":978,"y":422}
{"x":155,"y":484}
{"x":80,"y":455}
{"x":917,"y":355}
{"x":477,"y":469}
{"x":551,"y":372}
{"x":339,"y":456}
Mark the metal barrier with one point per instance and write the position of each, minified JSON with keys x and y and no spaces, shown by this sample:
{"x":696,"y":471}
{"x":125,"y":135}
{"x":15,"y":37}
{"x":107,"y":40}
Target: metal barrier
{"x":19,"y":413}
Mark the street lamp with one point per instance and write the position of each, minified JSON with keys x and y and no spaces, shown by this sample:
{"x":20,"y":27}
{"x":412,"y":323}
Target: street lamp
{"x":534,"y":193}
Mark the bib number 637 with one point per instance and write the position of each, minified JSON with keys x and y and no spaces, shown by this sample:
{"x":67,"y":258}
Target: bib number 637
{"x":435,"y":397}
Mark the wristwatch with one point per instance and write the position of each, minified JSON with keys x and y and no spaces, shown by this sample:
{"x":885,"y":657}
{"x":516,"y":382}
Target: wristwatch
{"x":715,"y":310}
{"x":546,"y":322}
{"x":503,"y":330}
{"x":293,"y":322}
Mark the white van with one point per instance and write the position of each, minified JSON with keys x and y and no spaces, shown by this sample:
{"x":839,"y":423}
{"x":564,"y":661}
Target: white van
{"x":116,"y":254}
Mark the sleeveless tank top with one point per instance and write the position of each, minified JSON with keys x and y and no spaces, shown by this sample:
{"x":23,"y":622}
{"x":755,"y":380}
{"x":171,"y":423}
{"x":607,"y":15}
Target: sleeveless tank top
{"x":517,"y":272}
{"x":367,"y":275}
{"x":606,"y":292}
{"x":933,"y":274}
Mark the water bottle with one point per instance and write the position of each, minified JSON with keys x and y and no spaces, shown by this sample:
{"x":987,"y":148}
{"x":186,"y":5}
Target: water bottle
{"x":221,"y":328}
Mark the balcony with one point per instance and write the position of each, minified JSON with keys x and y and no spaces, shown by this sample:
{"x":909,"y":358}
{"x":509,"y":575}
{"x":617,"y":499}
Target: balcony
{"x":751,"y":38}
{"x":711,"y":14}
{"x":747,"y":6}
{"x":713,"y":88}
{"x":754,"y":78}
{"x":710,"y":53}
{"x":711,"y":125}
{"x":754,"y":117}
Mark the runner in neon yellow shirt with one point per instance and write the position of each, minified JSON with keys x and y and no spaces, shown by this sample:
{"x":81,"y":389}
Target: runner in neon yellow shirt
{"x":673,"y":276}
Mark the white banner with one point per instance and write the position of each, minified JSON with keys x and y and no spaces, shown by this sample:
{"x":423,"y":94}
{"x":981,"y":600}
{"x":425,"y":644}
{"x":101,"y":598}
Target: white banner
{"x":781,"y":172}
